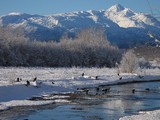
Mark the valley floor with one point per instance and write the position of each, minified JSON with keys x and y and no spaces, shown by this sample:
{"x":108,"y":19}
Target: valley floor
{"x":62,"y":80}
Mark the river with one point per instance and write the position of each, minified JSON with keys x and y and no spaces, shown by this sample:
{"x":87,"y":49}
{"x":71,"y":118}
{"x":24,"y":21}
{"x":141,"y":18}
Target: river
{"x":121,"y":100}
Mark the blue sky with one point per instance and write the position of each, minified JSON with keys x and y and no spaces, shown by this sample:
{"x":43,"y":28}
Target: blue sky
{"x":46,"y":7}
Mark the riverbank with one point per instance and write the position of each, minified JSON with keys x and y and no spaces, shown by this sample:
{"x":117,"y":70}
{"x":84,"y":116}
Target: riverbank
{"x":144,"y":115}
{"x":61,"y":80}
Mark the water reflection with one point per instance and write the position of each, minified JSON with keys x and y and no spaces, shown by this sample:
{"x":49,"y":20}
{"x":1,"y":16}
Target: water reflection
{"x":120,"y":101}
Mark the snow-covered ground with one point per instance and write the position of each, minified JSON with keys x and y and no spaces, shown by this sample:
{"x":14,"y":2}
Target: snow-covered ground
{"x":59,"y":80}
{"x":149,"y":115}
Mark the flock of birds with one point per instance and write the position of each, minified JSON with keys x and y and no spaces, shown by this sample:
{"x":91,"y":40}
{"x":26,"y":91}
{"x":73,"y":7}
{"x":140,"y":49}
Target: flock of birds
{"x":146,"y":90}
{"x":34,"y":82}
{"x":106,"y":89}
{"x":97,"y":91}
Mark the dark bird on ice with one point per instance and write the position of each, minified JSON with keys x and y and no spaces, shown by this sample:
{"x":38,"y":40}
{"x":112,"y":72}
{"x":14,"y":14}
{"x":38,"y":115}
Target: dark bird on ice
{"x":28,"y":83}
{"x":82,"y":74}
{"x":34,"y":79}
{"x":133,"y":90}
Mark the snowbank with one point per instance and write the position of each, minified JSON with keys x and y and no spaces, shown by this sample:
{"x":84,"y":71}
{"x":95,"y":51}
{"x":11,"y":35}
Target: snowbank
{"x":150,"y":115}
{"x":13,"y":103}
{"x":60,"y":80}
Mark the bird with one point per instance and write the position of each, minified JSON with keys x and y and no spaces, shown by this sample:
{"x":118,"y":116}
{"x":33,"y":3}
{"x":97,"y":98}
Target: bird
{"x":34,"y":79}
{"x":18,"y":79}
{"x":34,"y":83}
{"x":82,"y":90}
{"x":133,"y":90}
{"x":97,"y":89}
{"x":86,"y":91}
{"x":28,"y":83}
{"x":106,"y":89}
{"x":82,"y":74}
{"x":147,"y":90}
{"x":140,"y":76}
{"x":85,"y":76}
{"x":120,"y":78}
{"x":53,"y":83}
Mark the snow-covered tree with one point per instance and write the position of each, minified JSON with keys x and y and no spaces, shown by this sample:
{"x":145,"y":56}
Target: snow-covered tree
{"x":90,"y":48}
{"x":129,"y":62}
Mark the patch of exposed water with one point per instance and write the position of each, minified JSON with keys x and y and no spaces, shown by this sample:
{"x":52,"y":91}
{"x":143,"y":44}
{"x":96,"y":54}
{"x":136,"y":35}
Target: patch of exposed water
{"x":98,"y":104}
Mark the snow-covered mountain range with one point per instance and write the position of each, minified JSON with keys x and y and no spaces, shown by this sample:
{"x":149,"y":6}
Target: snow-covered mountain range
{"x":122,"y":26}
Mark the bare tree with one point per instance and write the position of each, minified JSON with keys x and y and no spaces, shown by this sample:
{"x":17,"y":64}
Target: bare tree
{"x":129,"y":62}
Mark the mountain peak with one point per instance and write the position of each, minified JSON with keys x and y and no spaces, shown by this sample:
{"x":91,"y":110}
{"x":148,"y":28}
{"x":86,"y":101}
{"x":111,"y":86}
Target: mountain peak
{"x":116,"y":8}
{"x":119,"y":22}
{"x":14,"y":13}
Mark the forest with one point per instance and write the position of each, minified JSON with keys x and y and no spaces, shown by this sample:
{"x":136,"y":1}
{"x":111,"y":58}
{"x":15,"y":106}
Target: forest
{"x":90,"y":48}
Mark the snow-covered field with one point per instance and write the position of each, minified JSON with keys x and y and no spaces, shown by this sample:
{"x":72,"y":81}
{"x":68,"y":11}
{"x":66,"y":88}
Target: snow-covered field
{"x":59,"y":80}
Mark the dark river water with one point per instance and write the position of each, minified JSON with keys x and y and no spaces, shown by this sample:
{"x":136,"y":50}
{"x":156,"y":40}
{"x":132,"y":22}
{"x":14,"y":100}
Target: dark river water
{"x":120,"y":101}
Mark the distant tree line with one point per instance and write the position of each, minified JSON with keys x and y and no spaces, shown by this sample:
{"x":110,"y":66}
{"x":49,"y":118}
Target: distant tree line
{"x":89,"y":48}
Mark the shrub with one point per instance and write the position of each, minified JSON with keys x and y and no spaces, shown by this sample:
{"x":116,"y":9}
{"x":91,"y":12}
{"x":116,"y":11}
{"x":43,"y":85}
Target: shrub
{"x":129,"y":62}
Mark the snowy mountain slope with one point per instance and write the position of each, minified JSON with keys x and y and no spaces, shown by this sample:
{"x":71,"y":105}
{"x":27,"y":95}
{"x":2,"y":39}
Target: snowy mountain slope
{"x":121,"y":25}
{"x":125,"y":17}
